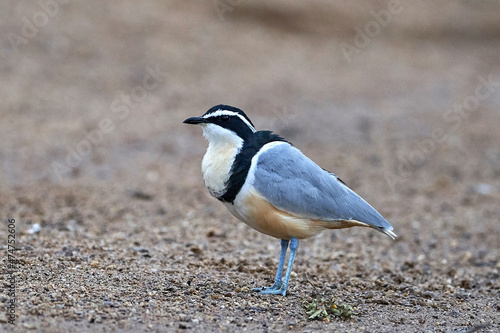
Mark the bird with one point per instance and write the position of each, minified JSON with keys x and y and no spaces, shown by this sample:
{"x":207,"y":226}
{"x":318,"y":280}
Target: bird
{"x":270,"y":185}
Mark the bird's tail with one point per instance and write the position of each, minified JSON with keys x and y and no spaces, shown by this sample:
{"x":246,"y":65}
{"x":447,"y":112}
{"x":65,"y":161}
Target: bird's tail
{"x":388,"y":232}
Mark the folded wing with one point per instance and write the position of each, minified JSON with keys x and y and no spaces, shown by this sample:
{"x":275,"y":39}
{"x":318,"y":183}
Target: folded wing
{"x":295,"y":184}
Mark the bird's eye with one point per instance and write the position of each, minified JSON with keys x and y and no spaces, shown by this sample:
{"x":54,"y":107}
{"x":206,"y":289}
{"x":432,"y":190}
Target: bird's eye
{"x":224,"y":118}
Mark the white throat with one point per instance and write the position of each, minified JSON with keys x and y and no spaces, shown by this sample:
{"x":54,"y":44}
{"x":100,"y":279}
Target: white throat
{"x":223,"y":146}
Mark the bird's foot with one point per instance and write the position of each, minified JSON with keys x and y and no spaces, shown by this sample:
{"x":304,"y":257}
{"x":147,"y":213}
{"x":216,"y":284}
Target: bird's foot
{"x":275,"y":286}
{"x":269,"y":291}
{"x":275,"y":289}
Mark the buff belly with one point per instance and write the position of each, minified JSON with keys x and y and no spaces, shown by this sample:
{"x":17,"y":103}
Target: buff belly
{"x":253,"y":209}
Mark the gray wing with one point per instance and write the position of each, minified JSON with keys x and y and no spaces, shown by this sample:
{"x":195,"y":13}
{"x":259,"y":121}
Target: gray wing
{"x":294,"y":183}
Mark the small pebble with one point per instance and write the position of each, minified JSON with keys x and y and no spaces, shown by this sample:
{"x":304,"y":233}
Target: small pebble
{"x":428,"y":294}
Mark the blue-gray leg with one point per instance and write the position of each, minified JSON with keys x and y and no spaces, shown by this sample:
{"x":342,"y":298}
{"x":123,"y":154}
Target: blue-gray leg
{"x":294,"y":245}
{"x":279,"y":273}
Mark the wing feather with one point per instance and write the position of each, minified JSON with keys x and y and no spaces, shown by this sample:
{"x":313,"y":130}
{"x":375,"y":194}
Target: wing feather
{"x":294,"y":183}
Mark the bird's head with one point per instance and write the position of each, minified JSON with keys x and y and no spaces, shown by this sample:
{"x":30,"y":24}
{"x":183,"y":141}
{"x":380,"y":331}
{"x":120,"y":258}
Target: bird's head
{"x":224,"y":124}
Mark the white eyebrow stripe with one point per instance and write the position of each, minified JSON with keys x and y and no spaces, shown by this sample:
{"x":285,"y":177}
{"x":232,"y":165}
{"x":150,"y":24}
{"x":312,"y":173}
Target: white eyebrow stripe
{"x":221,"y":112}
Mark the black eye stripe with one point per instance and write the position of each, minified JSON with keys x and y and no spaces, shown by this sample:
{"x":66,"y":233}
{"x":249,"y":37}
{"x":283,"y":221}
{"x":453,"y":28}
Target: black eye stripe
{"x":224,"y":117}
{"x":232,"y":109}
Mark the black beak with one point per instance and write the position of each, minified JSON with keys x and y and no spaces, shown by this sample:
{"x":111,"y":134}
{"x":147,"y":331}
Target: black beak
{"x":195,"y":120}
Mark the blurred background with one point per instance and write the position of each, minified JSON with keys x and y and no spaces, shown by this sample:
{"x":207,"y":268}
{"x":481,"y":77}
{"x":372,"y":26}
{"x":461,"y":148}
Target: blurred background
{"x":400,"y":99}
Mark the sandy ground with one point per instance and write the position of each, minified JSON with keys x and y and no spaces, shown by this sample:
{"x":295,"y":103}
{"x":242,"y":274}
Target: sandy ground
{"x":393,"y":98}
